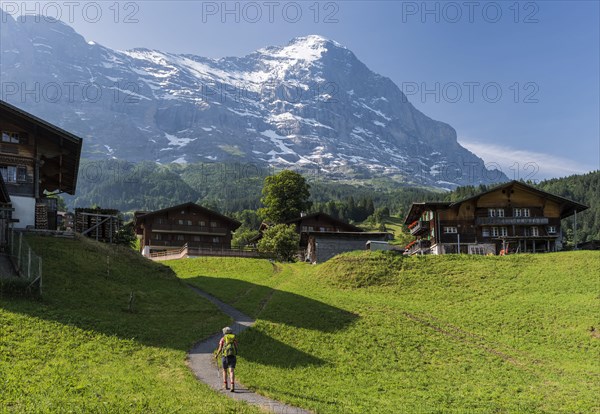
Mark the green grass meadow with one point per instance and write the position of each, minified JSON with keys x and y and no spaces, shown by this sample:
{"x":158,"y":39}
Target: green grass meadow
{"x":379,"y":333}
{"x":85,"y":348}
{"x":366,"y":332}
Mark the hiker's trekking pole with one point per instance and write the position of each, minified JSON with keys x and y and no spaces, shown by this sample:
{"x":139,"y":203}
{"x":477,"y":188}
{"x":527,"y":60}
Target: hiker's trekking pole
{"x":216,"y":355}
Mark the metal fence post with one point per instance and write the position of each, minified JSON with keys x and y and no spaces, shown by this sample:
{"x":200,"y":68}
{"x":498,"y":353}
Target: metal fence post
{"x":29,"y":264}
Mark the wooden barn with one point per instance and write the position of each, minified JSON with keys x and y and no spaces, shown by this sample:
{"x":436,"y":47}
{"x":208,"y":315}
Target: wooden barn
{"x":511,"y":218}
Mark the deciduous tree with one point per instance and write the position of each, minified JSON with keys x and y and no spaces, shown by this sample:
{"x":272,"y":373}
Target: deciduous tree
{"x":285,"y":196}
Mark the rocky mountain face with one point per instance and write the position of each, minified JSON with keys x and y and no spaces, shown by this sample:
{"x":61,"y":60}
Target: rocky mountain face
{"x":310,"y":105}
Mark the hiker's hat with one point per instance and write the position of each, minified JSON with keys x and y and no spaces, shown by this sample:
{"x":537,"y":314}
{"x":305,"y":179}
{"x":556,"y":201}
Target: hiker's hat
{"x":227,"y":330}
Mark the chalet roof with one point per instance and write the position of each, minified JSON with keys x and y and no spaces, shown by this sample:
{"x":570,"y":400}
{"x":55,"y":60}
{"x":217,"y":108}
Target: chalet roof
{"x":194,"y":206}
{"x":327,"y":217}
{"x":568,"y":207}
{"x":350,"y":227}
{"x":59,"y":150}
{"x":416,"y":209}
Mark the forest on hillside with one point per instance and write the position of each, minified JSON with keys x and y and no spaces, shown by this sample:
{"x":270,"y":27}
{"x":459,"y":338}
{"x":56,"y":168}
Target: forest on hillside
{"x":236,"y":188}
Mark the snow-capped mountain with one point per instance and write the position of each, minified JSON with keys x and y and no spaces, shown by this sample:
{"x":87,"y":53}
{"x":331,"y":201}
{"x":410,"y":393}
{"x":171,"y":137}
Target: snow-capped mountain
{"x":310,"y":104}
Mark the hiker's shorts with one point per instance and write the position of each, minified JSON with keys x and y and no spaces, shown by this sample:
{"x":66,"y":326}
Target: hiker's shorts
{"x":229,"y":362}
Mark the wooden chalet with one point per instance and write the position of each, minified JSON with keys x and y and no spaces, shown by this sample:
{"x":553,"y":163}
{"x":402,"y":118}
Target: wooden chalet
{"x":316,"y":222}
{"x":36,"y":159}
{"x":323,"y":236}
{"x":511,"y":218}
{"x":186,"y":224}
{"x":320,"y":223}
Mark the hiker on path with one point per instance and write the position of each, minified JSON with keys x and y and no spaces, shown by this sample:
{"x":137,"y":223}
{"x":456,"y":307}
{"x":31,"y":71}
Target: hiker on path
{"x":228,"y":348}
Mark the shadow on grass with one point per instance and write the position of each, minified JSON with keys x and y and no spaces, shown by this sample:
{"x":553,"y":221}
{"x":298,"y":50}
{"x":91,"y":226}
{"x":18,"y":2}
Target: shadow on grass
{"x":113,"y":291}
{"x":265,"y":350}
{"x":88,"y":286}
{"x":277,"y":306}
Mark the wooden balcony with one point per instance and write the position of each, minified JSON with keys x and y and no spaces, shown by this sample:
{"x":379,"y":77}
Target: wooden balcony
{"x":420,"y":227}
{"x":186,"y":229}
{"x":420,"y":245}
{"x":508,"y":221}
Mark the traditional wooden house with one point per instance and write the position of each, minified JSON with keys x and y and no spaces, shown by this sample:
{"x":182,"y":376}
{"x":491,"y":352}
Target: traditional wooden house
{"x":186,"y":224}
{"x":316,"y":222}
{"x":37,"y":159}
{"x":512,"y":217}
{"x":323,"y":236}
{"x":320,"y":223}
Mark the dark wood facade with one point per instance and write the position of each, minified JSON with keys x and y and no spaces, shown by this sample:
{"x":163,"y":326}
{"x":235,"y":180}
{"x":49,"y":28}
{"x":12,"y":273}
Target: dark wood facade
{"x":323,"y":236}
{"x":513,"y":217}
{"x":36,"y":159}
{"x":316,"y":222}
{"x":320,"y":223}
{"x":5,"y":214}
{"x":186,"y":224}
{"x":97,"y":223}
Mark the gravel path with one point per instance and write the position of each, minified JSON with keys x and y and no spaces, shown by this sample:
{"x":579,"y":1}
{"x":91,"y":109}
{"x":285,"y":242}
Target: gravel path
{"x":202,"y":363}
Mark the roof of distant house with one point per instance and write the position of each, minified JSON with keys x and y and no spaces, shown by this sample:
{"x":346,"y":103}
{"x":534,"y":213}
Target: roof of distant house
{"x":144,"y":215}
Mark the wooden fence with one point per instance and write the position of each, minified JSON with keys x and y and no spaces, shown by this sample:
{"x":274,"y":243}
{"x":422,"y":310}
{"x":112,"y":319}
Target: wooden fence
{"x":187,"y":251}
{"x":27,"y":263}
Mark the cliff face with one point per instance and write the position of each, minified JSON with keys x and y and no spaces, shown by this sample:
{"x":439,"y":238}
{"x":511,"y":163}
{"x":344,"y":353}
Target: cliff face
{"x":310,"y":104}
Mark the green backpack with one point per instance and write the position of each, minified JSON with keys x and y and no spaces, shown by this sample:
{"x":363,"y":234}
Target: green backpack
{"x":229,"y":346}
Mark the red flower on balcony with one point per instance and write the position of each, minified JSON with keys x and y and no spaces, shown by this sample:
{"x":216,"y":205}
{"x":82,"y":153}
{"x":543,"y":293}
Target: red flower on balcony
{"x":409,"y":245}
{"x":413,"y":224}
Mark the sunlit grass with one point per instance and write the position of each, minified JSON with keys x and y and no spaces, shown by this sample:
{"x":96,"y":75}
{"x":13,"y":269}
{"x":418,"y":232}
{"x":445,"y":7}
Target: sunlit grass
{"x":86,"y":347}
{"x":373,"y":332}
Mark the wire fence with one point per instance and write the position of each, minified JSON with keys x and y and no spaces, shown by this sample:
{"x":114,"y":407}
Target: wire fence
{"x":27,"y":263}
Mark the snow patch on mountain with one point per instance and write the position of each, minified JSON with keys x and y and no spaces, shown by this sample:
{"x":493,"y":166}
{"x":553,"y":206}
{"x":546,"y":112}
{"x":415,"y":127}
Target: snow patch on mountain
{"x":310,"y":102}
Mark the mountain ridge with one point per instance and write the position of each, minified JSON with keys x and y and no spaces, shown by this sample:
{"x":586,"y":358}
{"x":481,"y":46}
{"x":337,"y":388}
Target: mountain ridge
{"x":310,"y":104}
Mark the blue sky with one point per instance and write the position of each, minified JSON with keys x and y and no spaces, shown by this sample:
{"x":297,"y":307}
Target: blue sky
{"x":542,"y":57}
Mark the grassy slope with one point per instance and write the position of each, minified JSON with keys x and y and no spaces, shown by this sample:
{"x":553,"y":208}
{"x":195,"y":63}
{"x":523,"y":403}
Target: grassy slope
{"x":393,"y":225}
{"x":485,"y":334}
{"x":79,"y":349}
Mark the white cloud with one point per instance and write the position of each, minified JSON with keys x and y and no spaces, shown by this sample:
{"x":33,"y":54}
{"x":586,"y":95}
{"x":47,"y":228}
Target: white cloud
{"x":528,"y":165}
